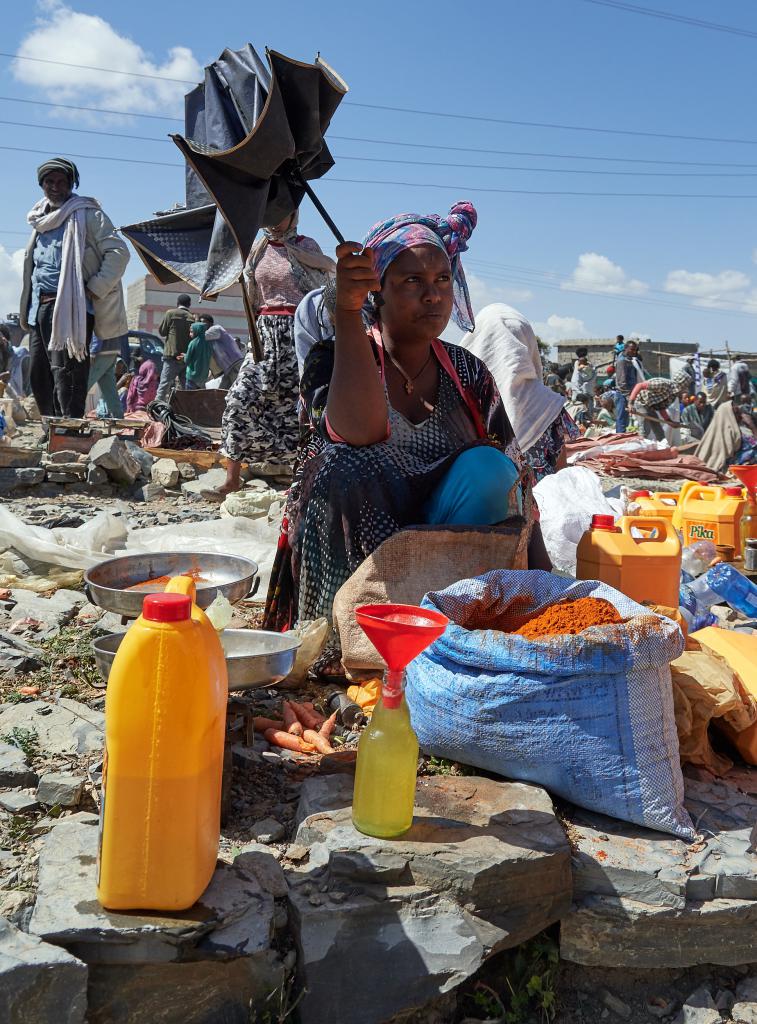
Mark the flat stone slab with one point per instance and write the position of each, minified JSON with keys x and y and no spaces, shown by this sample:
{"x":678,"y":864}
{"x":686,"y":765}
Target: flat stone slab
{"x":14,"y":768}
{"x":485,"y":866}
{"x":646,"y":900}
{"x":67,"y":727}
{"x":233,"y":918}
{"x":39,"y":983}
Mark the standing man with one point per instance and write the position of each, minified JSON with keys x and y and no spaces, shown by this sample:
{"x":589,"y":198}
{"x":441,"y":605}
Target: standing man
{"x":175,"y":328}
{"x":72,"y":274}
{"x":626,"y":378}
{"x":715,"y":384}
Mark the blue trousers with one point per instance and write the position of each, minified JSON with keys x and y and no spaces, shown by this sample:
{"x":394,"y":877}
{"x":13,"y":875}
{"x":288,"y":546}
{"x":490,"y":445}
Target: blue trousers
{"x":621,"y":413}
{"x":475,"y":490}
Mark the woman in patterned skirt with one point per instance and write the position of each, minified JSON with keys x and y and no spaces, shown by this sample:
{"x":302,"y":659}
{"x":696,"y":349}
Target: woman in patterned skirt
{"x":404,"y":428}
{"x":506,"y":342}
{"x":260,"y":418}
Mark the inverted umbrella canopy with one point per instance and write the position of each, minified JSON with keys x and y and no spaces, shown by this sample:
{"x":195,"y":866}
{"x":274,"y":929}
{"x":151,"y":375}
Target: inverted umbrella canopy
{"x":253,"y":139}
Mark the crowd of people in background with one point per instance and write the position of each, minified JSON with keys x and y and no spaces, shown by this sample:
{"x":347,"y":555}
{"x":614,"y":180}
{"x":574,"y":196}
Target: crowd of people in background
{"x":611,"y":399}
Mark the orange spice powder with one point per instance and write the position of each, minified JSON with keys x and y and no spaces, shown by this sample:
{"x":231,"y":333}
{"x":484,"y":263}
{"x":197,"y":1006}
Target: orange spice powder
{"x":569,"y":617}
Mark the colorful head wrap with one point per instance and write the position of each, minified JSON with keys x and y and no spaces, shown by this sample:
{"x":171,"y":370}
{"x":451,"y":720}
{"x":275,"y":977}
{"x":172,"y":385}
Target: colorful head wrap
{"x":391,"y":237}
{"x":59,"y":163}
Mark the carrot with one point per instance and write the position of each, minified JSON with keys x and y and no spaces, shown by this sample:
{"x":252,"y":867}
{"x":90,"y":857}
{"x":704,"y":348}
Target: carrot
{"x":285,"y":740}
{"x":292,"y":723}
{"x":310,"y":719}
{"x":261,"y":724}
{"x":321,"y":745}
{"x":328,"y":727}
{"x":29,"y":691}
{"x":317,"y":714}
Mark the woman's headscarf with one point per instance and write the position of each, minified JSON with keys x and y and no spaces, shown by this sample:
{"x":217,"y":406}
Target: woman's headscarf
{"x":143,"y":387}
{"x":391,"y":237}
{"x":310,"y":269}
{"x":505,"y":341}
{"x":198,"y":329}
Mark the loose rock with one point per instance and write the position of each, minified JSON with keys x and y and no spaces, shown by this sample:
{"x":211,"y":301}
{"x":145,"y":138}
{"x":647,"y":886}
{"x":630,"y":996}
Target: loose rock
{"x":112,"y":455}
{"x":61,"y":789}
{"x":16,"y":801}
{"x":268,"y":831}
{"x":14,"y":768}
{"x":165,"y":472}
{"x":39,"y":983}
{"x":67,"y":727}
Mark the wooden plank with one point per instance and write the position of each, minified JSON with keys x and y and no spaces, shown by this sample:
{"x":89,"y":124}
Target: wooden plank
{"x":199,"y":459}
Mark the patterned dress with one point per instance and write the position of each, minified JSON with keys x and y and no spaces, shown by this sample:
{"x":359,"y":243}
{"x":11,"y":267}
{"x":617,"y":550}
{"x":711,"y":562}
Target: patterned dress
{"x":345,"y":500}
{"x":260,"y":419}
{"x":543,"y":454}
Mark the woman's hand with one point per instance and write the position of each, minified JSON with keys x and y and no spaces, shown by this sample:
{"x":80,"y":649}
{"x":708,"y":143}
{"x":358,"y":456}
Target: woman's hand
{"x":355,"y":276}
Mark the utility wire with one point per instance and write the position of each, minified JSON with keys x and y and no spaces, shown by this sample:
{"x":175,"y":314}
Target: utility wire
{"x":423,"y":113}
{"x":421,"y":163}
{"x":90,"y":110}
{"x":682,"y":19}
{"x":354,"y":138}
{"x":425,"y":184}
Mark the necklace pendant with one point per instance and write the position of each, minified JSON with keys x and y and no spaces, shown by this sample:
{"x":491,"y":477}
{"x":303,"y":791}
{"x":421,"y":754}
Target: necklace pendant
{"x":409,"y":387}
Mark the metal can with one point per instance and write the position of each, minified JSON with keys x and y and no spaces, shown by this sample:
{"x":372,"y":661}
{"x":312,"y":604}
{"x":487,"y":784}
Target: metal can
{"x":750,"y":555}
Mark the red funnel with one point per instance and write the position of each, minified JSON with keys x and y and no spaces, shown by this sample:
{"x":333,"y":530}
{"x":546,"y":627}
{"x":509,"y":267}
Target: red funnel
{"x":399,"y":632}
{"x":747,"y":475}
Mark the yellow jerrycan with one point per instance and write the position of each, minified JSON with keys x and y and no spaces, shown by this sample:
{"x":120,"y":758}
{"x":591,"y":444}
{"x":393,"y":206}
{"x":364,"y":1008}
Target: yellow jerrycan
{"x":686,"y":486}
{"x":644,"y":568}
{"x":713,"y":513}
{"x":657,"y":504}
{"x":165,"y":713}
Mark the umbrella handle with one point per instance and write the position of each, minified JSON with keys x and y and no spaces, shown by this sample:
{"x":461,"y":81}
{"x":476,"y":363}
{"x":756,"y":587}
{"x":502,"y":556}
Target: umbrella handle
{"x":321,"y":209}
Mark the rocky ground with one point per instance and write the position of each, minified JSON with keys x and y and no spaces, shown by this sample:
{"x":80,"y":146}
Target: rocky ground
{"x":300,"y":899}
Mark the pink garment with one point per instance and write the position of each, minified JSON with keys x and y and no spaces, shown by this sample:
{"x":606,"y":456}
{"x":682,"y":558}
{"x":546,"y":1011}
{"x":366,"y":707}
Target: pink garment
{"x":143,"y":387}
{"x":277,"y":285}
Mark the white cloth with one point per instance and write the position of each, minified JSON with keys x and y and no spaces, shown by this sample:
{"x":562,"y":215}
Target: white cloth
{"x":69,"y":326}
{"x":506,"y":343}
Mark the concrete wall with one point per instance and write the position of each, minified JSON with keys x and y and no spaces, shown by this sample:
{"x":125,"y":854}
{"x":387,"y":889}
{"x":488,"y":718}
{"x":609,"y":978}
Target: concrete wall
{"x":602,"y":353}
{"x":147,"y":301}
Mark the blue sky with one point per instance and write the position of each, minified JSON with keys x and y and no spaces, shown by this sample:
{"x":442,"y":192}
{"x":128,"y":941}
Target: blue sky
{"x":668,"y":268}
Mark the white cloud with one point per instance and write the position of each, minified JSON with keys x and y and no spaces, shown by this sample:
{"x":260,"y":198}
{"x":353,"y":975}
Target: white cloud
{"x":11,"y":265}
{"x":596,"y":273}
{"x":557,"y":328}
{"x":712,"y":290}
{"x":61,"y":33}
{"x":483,"y":292}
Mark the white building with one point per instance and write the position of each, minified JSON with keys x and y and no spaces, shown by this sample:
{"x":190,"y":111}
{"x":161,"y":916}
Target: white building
{"x":147,"y":302}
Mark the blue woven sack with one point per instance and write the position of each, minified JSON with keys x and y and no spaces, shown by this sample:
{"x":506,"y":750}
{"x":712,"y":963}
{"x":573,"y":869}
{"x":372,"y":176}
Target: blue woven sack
{"x":590,"y":717}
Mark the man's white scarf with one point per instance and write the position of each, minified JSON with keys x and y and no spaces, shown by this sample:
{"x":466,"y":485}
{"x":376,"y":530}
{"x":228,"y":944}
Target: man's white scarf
{"x":69,"y":328}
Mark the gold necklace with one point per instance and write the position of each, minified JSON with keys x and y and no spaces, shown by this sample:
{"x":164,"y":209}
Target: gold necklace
{"x":409,"y":381}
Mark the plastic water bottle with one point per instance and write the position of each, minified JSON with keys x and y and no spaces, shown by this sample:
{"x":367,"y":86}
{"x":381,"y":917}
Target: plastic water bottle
{"x":720,"y":583}
{"x":731,"y":586}
{"x":696,"y":557}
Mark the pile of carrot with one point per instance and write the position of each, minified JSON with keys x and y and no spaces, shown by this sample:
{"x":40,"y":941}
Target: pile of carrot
{"x":302,"y":729}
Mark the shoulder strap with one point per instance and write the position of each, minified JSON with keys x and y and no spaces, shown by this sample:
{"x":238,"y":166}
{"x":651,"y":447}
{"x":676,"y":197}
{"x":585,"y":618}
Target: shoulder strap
{"x":446,"y":363}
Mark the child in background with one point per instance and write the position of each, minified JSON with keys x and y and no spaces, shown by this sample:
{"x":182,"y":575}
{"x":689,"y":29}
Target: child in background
{"x":197,"y":357}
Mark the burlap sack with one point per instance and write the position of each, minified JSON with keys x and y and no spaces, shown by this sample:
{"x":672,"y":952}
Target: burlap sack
{"x":418,"y":560}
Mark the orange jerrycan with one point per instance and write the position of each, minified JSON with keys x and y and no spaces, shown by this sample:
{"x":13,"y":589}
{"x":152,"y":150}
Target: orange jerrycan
{"x":644,"y":567}
{"x":657,"y":504}
{"x":740,"y":651}
{"x":686,"y":486}
{"x":165,"y":712}
{"x":713,"y":513}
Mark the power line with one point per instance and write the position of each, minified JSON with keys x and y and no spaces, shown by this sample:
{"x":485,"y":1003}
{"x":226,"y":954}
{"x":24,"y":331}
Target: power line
{"x":419,"y":163}
{"x":549,"y":124}
{"x":427,"y":184}
{"x":423,"y":113}
{"x":682,"y":19}
{"x":354,"y":138}
{"x":89,"y":67}
{"x":91,"y":156}
{"x":90,"y":110}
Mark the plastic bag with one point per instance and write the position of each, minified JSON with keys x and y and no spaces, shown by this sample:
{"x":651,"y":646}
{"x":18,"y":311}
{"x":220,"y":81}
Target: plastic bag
{"x":78,"y":547}
{"x":590,"y":717}
{"x":567,"y":500}
{"x":313,"y":636}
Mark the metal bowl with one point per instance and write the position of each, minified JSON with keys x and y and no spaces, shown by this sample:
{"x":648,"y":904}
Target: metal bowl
{"x":254,"y":657}
{"x":107,"y":583}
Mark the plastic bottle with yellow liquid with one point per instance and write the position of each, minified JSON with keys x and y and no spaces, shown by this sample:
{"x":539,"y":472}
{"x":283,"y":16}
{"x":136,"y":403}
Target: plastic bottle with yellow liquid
{"x":165,"y":712}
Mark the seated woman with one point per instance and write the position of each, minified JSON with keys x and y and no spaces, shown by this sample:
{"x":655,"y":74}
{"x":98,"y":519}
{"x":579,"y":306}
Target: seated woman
{"x":506,"y":342}
{"x":404,"y":428}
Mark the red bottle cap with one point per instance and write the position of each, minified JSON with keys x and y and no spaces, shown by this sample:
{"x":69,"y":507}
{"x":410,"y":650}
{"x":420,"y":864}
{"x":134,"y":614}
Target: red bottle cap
{"x":167,"y":607}
{"x":733,"y":490}
{"x":603,"y":523}
{"x":641,"y":494}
